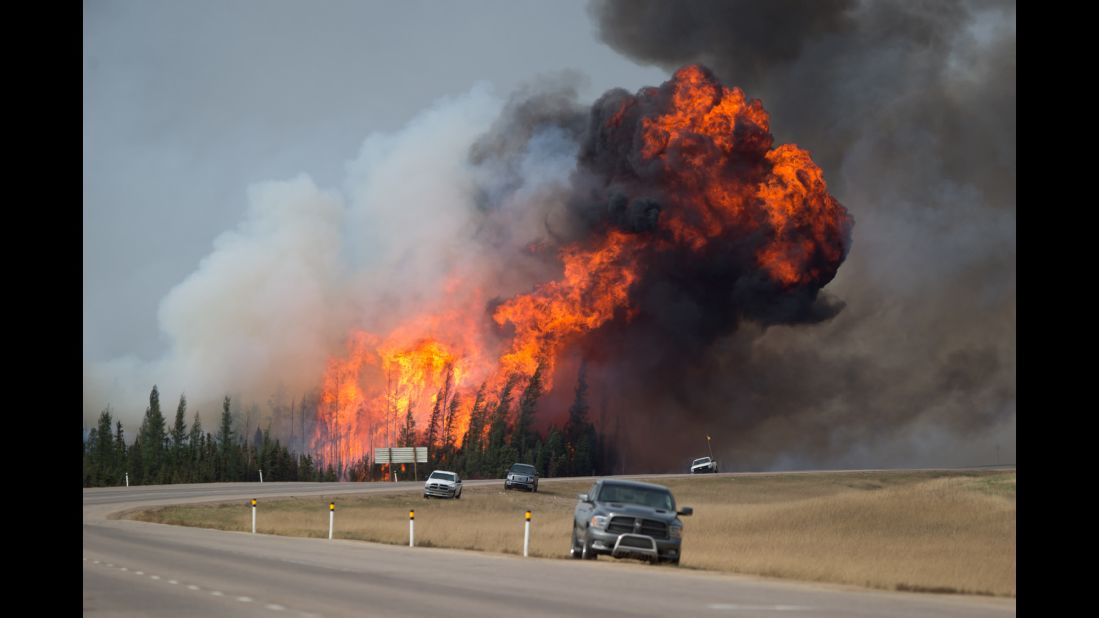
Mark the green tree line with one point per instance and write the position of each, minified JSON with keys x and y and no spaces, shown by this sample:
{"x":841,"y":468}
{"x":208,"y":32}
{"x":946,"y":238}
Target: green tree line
{"x":500,"y":432}
{"x":162,"y":455}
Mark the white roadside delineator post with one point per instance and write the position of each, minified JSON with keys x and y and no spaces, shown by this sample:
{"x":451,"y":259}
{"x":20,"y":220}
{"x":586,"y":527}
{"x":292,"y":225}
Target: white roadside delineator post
{"x":526,"y":535}
{"x":412,"y":528}
{"x":331,"y":518}
{"x":253,"y":515}
{"x":261,"y":476}
{"x":127,"y":479}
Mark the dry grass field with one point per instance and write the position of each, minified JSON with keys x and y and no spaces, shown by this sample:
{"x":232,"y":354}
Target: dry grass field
{"x":936,"y":531}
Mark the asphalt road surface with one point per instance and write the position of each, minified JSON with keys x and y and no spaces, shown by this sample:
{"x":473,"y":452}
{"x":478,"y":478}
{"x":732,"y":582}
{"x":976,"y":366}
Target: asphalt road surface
{"x":141,"y":569}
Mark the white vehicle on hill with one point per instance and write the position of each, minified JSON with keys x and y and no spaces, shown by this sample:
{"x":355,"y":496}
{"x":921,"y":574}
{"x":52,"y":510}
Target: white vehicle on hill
{"x":443,"y":484}
{"x":703,"y":465}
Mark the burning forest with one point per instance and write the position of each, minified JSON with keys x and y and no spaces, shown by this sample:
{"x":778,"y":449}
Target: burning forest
{"x":679,"y":219}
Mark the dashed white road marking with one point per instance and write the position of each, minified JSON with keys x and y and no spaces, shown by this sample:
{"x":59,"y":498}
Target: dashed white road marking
{"x":736,"y":607}
{"x":217,"y":593}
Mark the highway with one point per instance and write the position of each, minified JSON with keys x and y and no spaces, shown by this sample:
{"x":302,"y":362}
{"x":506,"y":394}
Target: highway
{"x":134,"y":568}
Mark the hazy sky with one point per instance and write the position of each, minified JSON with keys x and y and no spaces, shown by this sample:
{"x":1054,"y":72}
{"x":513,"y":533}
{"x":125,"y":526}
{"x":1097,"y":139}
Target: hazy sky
{"x":187,"y":103}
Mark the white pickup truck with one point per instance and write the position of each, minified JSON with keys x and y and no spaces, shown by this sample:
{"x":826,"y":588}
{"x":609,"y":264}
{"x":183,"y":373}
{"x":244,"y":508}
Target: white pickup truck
{"x":703,"y":465}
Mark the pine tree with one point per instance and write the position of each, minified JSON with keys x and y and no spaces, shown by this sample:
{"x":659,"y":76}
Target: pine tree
{"x":88,"y":466}
{"x":137,"y":464}
{"x":555,"y":449}
{"x":491,"y":466}
{"x":473,"y":441}
{"x":578,"y":411}
{"x":152,"y":435}
{"x":433,"y":427}
{"x":179,"y":442}
{"x":436,"y":426}
{"x":580,"y":437}
{"x":521,"y":438}
{"x":195,"y":447}
{"x":103,"y":462}
{"x":448,"y":426}
{"x":540,"y":458}
{"x":226,"y":447}
{"x":408,"y":431}
{"x":122,"y":466}
{"x":211,"y":466}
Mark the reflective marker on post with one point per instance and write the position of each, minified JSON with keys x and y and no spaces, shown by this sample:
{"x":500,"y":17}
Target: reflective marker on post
{"x":331,"y":518}
{"x":526,"y":536}
{"x":411,"y":528}
{"x":253,"y":515}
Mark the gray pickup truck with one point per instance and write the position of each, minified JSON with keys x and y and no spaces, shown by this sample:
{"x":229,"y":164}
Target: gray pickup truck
{"x":627,"y":519}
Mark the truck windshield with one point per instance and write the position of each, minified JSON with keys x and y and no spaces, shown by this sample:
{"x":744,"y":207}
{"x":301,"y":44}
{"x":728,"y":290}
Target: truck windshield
{"x":523,"y":469}
{"x":626,"y":494}
{"x":701,"y":461}
{"x":446,"y":476}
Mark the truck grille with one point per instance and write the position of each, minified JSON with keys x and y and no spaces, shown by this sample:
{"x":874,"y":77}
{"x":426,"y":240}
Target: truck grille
{"x":634,"y":541}
{"x":649,"y":527}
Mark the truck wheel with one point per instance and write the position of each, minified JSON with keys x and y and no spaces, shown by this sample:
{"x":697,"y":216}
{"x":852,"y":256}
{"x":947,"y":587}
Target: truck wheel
{"x":588,"y":553}
{"x":575,"y":550}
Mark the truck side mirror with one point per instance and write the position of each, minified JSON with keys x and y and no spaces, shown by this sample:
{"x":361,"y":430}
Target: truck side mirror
{"x":686,"y":511}
{"x":583,"y":497}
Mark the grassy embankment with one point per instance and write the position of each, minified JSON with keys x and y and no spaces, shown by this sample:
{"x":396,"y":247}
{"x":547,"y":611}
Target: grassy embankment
{"x":920,"y":530}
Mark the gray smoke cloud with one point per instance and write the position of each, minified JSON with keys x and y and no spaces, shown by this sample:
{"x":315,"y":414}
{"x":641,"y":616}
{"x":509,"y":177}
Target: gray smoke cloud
{"x":909,"y":108}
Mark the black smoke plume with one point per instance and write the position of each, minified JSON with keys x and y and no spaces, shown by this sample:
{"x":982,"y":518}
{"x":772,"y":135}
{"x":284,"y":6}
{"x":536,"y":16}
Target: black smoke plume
{"x":910,"y":111}
{"x":909,"y":107}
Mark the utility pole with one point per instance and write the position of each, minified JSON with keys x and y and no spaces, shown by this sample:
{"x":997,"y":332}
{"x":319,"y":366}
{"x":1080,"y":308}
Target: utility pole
{"x":708,"y":447}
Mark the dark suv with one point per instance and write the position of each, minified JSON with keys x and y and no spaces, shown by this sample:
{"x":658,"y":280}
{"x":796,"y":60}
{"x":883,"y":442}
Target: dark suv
{"x":522,"y":475}
{"x":627,"y":519}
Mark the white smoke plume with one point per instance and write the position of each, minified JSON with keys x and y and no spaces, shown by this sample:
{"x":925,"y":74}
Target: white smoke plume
{"x":278,"y":295}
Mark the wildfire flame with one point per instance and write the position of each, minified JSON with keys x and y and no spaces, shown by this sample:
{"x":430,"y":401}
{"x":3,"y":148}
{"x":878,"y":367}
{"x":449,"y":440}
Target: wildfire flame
{"x":703,"y":152}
